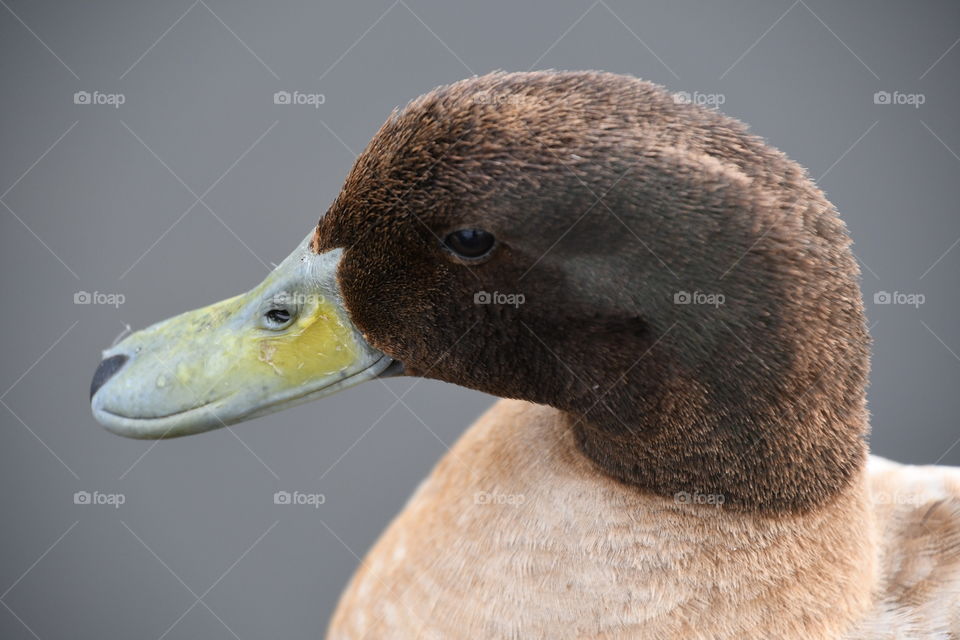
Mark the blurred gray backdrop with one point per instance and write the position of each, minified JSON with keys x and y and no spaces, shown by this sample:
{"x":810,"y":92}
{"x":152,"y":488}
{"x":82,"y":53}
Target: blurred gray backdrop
{"x":146,"y":160}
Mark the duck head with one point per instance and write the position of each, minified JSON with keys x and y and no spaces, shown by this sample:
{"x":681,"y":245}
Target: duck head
{"x":679,"y":289}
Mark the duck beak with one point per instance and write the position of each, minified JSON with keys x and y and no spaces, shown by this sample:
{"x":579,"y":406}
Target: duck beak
{"x":287,"y":341}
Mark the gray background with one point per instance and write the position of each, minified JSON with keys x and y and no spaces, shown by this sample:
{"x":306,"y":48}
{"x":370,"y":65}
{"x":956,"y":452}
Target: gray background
{"x":94,"y":199}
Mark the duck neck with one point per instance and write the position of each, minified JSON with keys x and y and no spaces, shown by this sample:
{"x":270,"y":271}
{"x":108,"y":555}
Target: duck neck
{"x":747,"y":439}
{"x":770,"y":470}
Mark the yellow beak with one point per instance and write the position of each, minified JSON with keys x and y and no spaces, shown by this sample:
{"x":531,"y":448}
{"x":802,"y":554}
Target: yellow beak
{"x":287,"y":341}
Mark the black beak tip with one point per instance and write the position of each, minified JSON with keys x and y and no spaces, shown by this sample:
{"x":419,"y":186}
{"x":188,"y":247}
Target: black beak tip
{"x":105,"y":371}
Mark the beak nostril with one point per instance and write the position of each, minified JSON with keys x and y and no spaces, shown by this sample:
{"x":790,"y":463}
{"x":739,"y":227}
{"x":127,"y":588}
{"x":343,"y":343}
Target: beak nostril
{"x":105,"y":371}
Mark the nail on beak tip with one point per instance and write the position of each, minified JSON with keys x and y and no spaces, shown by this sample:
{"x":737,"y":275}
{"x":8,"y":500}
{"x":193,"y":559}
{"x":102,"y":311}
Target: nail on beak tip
{"x":105,"y":371}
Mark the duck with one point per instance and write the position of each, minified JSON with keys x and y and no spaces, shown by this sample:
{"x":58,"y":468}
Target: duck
{"x":668,"y":309}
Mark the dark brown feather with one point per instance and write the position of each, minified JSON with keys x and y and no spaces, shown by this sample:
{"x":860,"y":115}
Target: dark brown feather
{"x":607,"y":198}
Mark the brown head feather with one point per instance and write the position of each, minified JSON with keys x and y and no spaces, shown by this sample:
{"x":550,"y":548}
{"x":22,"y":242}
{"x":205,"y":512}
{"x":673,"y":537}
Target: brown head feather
{"x":607,"y":198}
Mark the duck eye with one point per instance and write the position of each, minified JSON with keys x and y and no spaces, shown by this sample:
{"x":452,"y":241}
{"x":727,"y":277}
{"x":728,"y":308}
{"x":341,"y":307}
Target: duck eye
{"x":277,"y":318}
{"x":470,"y":243}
